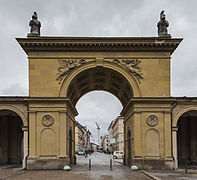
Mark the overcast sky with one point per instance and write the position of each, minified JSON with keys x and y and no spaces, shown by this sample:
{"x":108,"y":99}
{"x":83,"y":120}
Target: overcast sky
{"x":97,"y":18}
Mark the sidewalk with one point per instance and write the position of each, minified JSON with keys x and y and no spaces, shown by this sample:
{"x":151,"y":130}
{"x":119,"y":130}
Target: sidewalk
{"x":174,"y":174}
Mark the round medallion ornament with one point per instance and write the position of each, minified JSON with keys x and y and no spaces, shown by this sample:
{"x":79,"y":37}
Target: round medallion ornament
{"x":47,"y":120}
{"x":152,"y":120}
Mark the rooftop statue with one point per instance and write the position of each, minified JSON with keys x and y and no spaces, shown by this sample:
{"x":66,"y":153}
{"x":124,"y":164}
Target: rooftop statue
{"x":35,"y":26}
{"x":162,"y":26}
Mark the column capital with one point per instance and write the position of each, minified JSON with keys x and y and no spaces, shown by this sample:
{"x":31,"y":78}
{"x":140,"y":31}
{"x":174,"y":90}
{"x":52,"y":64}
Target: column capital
{"x":175,"y":128}
{"x":25,"y":128}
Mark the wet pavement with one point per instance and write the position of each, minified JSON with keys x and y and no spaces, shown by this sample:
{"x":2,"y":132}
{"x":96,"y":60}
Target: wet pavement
{"x":174,"y":174}
{"x":100,"y":170}
{"x":7,"y":171}
{"x":99,"y":161}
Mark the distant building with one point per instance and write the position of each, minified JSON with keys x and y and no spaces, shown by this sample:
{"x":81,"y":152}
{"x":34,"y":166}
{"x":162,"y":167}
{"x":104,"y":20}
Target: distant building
{"x":105,"y":143}
{"x":116,"y":134}
{"x":110,"y":131}
{"x":111,"y":139}
{"x":82,"y":137}
{"x":87,"y":141}
{"x":93,"y":146}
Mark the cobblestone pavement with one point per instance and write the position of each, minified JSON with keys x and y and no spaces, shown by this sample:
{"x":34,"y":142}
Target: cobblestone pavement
{"x":100,"y":171}
{"x":175,"y":174}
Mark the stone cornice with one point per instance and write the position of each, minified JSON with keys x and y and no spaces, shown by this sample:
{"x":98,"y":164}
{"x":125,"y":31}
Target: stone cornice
{"x":150,"y":100}
{"x":12,"y":98}
{"x":136,"y":44}
{"x":53,"y":100}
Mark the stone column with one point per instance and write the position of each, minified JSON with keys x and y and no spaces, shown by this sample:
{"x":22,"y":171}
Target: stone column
{"x":63,"y":153}
{"x":174,"y":141}
{"x":137,"y":140}
{"x":32,"y":135}
{"x":25,"y":145}
{"x":167,"y":135}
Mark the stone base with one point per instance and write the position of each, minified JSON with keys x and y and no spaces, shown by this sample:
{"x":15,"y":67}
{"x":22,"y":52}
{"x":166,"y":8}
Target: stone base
{"x":150,"y":163}
{"x":158,"y":164}
{"x":37,"y":164}
{"x":165,"y":35}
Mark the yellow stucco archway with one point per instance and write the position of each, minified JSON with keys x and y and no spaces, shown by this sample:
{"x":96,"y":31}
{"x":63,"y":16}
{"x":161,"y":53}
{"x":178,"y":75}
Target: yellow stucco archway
{"x":21,"y":114}
{"x":16,"y":110}
{"x":107,"y":65}
{"x":181,"y":112}
{"x":176,"y":117}
{"x":57,"y":66}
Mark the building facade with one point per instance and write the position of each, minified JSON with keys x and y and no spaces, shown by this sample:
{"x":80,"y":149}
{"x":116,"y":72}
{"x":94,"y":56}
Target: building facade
{"x":82,"y":137}
{"x":111,"y":139}
{"x":116,"y":129}
{"x":94,"y":147}
{"x":134,"y":69}
{"x":88,"y":138}
{"x":105,"y":143}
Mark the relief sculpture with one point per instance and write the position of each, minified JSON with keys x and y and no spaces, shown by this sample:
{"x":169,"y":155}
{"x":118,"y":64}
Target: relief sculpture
{"x":47,"y":120}
{"x":66,"y":65}
{"x":132,"y":65}
{"x":152,"y":120}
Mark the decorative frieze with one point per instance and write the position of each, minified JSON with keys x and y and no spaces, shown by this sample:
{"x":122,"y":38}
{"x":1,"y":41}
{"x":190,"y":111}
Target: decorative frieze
{"x":66,"y":65}
{"x":132,"y":65}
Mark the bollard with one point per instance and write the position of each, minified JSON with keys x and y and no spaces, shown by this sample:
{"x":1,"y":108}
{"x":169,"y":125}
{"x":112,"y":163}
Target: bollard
{"x":110,"y":164}
{"x":89,"y":164}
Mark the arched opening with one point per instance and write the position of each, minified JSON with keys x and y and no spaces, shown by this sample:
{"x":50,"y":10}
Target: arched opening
{"x":187,"y":138}
{"x":102,"y":108}
{"x":100,"y":78}
{"x":11,"y":138}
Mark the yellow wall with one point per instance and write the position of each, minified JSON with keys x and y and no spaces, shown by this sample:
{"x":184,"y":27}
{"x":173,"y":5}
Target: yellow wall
{"x":155,"y":68}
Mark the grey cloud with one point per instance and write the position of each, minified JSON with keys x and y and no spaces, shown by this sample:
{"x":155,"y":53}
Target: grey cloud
{"x":15,"y":90}
{"x":100,"y":107}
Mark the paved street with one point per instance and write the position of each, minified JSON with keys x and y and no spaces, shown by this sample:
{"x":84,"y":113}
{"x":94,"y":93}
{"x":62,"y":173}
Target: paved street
{"x":99,"y":161}
{"x":100,"y":171}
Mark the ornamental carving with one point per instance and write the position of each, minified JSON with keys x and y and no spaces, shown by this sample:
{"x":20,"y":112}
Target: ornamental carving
{"x":152,"y":120}
{"x":66,"y":65}
{"x":132,"y":65}
{"x":47,"y":120}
